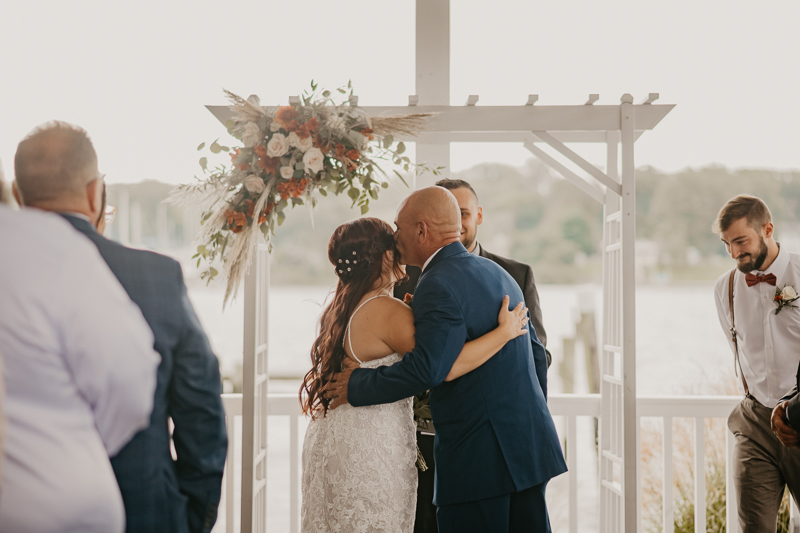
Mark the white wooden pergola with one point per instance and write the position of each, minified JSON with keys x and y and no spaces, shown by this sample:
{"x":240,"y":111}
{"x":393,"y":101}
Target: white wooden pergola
{"x":535,"y":127}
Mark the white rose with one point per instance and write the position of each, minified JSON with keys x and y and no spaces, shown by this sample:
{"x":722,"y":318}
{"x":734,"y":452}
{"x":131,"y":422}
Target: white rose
{"x":287,"y":172}
{"x":274,"y":126}
{"x":278,"y":145}
{"x":252,"y":135}
{"x":313,"y":160}
{"x":305,"y":144}
{"x":254,"y":184}
{"x":789,"y":293}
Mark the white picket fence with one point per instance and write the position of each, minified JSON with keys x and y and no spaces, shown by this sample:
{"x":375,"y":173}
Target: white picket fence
{"x":566,"y":410}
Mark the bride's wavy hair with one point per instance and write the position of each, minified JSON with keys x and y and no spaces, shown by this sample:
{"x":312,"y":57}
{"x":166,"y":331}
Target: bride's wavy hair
{"x":356,"y":250}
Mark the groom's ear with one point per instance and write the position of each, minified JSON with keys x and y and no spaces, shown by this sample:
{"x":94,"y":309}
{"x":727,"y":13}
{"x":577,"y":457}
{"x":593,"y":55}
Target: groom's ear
{"x":423,"y":231}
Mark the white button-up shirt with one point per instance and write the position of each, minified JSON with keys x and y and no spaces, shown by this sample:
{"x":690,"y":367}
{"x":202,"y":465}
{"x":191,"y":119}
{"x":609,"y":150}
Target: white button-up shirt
{"x":769,"y":344}
{"x":80,"y":375}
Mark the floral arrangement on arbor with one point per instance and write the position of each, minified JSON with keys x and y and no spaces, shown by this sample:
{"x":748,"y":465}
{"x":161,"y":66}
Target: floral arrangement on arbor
{"x":288,"y":156}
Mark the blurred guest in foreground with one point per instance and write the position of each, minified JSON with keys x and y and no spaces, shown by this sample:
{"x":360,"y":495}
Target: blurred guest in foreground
{"x":5,"y":197}
{"x":56,"y":170}
{"x":80,"y":372}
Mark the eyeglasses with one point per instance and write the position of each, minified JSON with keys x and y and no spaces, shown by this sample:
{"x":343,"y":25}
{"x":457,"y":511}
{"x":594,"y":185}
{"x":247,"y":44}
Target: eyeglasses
{"x":110,"y":214}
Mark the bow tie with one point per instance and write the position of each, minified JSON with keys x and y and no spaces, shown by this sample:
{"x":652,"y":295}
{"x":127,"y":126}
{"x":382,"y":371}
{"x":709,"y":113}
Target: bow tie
{"x":754,"y":279}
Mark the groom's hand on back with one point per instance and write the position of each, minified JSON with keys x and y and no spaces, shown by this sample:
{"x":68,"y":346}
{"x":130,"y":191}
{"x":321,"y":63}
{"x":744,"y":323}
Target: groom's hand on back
{"x":336,"y":389}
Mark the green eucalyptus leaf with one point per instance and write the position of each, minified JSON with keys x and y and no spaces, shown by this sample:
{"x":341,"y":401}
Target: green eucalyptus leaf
{"x":202,"y":145}
{"x":215,"y":148}
{"x":323,"y":192}
{"x":385,"y":185}
{"x":204,"y":163}
{"x":326,"y":94}
{"x":387,"y":141}
{"x":281,"y":218}
{"x":401,"y":178}
{"x":353,"y":194}
{"x":298,"y":174}
{"x":401,"y":147}
{"x":364,"y":209}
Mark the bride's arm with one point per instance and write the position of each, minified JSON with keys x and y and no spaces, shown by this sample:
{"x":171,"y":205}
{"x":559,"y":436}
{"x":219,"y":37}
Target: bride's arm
{"x":512,"y":324}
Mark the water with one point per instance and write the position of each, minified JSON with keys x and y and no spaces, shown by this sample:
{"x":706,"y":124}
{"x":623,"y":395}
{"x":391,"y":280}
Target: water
{"x":681,"y":349}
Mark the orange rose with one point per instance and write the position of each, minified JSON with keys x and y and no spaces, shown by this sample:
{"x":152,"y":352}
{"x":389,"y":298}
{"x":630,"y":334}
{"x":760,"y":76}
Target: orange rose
{"x":239,"y":218}
{"x":229,"y":216}
{"x":353,"y":154}
{"x":286,"y":114}
{"x":260,"y":150}
{"x":340,"y":149}
{"x":312,"y":124}
{"x":245,"y":166}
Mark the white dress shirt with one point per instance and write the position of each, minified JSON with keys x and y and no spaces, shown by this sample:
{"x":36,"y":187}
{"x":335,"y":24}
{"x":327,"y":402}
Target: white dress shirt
{"x":769,"y":344}
{"x":80,"y":374}
{"x":428,"y":260}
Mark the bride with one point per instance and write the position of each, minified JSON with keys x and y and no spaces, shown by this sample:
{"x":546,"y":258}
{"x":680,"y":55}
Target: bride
{"x":358,"y":462}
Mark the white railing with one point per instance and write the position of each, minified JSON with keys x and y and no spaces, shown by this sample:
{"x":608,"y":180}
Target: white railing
{"x":568,"y":407}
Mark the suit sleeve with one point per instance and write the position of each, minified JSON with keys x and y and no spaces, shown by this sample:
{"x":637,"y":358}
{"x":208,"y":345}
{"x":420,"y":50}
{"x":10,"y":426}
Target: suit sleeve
{"x":531,"y":296}
{"x":196,"y":409}
{"x":793,"y":409}
{"x":440,"y":336}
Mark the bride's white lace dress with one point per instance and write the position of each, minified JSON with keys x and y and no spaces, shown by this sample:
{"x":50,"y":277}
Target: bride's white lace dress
{"x":359,"y":472}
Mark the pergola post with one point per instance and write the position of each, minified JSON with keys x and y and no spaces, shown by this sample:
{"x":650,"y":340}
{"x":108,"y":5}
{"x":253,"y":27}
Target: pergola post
{"x":629,"y":419}
{"x":433,"y":77}
{"x":255,"y":382}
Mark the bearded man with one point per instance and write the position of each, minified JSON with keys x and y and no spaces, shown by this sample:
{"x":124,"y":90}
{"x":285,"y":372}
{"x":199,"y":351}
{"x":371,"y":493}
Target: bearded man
{"x":764,"y":336}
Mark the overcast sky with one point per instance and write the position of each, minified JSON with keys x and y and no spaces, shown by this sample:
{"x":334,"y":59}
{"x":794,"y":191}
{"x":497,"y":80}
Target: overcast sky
{"x":137,"y":75}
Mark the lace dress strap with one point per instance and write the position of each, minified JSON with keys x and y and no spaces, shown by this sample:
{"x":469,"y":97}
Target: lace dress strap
{"x":349,"y":322}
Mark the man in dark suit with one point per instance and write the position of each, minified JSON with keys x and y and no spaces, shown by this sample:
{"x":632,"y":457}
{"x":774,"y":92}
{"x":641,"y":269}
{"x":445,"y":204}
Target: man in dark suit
{"x":56,"y":170}
{"x":471,"y":218}
{"x":496,"y":446}
{"x":785,"y":419}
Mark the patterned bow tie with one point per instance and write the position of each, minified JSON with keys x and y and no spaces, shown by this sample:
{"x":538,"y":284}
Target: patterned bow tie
{"x":754,"y":279}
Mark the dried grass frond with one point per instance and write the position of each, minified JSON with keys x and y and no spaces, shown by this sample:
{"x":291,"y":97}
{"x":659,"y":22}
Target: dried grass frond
{"x":244,"y":110}
{"x":403,"y":125}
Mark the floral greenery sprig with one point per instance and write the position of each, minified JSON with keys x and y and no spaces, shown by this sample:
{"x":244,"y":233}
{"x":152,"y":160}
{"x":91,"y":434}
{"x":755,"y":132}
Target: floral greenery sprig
{"x":288,"y":157}
{"x":785,"y":297}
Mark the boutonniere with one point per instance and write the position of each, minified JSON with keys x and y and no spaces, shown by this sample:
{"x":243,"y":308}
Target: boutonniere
{"x":408,"y":299}
{"x":784,"y":297}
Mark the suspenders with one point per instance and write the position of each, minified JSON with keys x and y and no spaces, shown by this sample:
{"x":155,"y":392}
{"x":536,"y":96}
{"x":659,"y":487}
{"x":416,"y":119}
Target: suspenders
{"x":737,"y":366}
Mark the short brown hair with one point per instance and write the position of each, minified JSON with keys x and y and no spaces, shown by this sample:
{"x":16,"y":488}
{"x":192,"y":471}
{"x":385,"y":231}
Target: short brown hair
{"x":54,"y":160}
{"x":742,"y":206}
{"x":452,"y":185}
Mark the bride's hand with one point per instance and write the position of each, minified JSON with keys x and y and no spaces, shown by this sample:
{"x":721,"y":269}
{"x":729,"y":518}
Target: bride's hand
{"x":513,"y":323}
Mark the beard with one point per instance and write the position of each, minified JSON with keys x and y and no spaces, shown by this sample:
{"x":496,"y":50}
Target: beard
{"x":753,"y":264}
{"x":468,"y":239}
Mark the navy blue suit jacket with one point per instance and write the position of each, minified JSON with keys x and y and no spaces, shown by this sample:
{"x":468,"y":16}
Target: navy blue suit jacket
{"x":162,"y":495}
{"x":494,"y":432}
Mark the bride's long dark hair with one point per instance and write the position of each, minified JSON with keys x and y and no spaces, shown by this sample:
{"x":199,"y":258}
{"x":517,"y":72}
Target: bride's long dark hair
{"x":356,"y":250}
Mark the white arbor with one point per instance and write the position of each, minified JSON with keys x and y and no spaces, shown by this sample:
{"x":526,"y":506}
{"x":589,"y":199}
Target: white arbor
{"x":534,"y":127}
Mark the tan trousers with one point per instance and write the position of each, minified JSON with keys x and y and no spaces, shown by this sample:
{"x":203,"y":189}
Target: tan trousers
{"x":762,"y":467}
